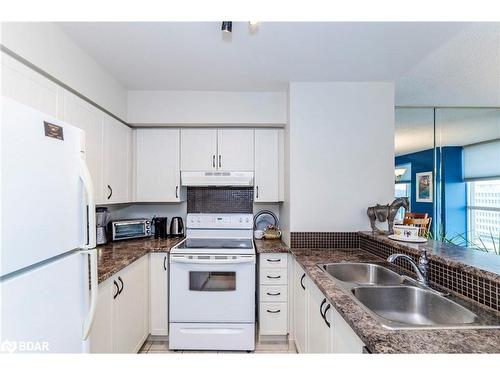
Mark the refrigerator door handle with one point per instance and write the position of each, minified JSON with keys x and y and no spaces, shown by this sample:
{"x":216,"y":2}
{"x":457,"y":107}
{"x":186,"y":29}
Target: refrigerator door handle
{"x":89,"y":319}
{"x":89,"y":188}
{"x":89,"y":249}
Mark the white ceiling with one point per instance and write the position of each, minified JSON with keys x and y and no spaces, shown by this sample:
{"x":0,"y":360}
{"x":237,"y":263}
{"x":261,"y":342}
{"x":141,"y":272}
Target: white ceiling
{"x":463,"y":72}
{"x":196,"y":56}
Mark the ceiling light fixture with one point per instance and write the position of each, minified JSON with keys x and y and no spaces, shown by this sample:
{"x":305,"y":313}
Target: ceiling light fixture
{"x":253,"y":23}
{"x":227,"y":26}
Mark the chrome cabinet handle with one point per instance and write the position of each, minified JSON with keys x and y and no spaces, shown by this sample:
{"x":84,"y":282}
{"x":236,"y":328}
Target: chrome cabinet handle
{"x":273,"y":277}
{"x":273,"y":311}
{"x":274,"y":260}
{"x":324,"y":316}
{"x":220,"y":161}
{"x":302,"y":279}
{"x":110,"y":192}
{"x":213,"y":161}
{"x":121,"y":290}
{"x":117,"y":289}
{"x":165,"y":263}
{"x":257,"y":191}
{"x":321,"y":308}
{"x":177,"y":191}
{"x":273,"y":294}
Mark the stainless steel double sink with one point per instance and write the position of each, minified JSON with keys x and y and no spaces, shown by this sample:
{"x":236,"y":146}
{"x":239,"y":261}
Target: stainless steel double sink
{"x":399,"y":302}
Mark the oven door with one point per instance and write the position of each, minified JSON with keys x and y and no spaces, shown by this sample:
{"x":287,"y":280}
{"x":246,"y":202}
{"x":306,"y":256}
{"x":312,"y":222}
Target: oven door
{"x":212,"y":288}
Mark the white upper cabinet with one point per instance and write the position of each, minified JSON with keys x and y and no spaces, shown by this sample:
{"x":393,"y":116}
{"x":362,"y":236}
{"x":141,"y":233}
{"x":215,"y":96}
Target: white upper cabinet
{"x":217,"y":149}
{"x":198,"y":149}
{"x":235,"y":149}
{"x":79,"y":113}
{"x":29,"y":87}
{"x":157,"y":165}
{"x":117,"y":161}
{"x":267,"y":176}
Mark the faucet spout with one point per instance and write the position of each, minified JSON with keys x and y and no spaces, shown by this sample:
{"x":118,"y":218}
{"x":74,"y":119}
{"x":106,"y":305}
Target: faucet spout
{"x":420,"y":269}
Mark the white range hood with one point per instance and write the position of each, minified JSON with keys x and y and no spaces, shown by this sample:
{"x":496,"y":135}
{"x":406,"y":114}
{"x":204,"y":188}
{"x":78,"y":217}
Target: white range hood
{"x":216,"y":178}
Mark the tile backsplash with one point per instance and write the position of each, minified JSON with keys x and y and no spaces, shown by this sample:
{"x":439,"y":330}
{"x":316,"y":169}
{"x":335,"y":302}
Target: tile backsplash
{"x":324,"y":239}
{"x":220,"y":200}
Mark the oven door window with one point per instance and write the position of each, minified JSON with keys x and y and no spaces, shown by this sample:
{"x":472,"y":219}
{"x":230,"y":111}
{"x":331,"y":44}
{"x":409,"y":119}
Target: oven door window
{"x":212,"y":281}
{"x":129,"y":230}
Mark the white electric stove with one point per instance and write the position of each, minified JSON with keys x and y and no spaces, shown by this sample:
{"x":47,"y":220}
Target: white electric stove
{"x":212,"y":284}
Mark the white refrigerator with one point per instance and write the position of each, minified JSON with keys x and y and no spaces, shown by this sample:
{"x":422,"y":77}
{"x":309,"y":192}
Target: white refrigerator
{"x":48,"y":263}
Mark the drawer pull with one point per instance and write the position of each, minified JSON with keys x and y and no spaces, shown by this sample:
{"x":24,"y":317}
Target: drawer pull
{"x":273,"y":311}
{"x":301,"y":279}
{"x":274,"y":277}
{"x":273,"y":294}
{"x":274,"y":260}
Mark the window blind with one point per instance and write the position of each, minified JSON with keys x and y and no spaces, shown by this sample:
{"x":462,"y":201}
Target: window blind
{"x":482,"y":160}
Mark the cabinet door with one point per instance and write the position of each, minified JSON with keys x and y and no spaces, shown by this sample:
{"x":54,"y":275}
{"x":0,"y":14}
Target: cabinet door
{"x":29,"y":87}
{"x":343,"y":338}
{"x":130,"y":308}
{"x":100,"y":336}
{"x":235,"y":149}
{"x":198,"y":149}
{"x":318,"y":332}
{"x":157,"y":157}
{"x":266,"y":186}
{"x":117,"y":166}
{"x":79,"y":113}
{"x":300,"y":308}
{"x":158,"y":285}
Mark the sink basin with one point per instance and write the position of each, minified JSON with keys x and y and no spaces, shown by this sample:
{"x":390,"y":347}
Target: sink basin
{"x":413,"y":307}
{"x":362,"y":273}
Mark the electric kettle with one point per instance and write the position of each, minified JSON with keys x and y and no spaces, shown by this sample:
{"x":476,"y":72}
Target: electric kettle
{"x":176,"y":227}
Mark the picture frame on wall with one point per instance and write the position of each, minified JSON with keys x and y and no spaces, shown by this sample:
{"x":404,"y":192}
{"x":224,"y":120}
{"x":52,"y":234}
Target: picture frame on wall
{"x":425,"y":186}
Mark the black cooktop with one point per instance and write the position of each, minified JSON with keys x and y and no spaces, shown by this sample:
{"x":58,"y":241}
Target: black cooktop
{"x":216,"y":243}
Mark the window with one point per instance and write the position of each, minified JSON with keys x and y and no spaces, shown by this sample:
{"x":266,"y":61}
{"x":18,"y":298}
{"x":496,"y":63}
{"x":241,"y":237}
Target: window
{"x":401,"y":189}
{"x":483,"y":214}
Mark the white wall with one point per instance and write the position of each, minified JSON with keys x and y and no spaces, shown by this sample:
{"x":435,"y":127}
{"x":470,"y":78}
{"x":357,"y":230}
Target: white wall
{"x":341,"y":150}
{"x":45,"y":45}
{"x":206,"y":107}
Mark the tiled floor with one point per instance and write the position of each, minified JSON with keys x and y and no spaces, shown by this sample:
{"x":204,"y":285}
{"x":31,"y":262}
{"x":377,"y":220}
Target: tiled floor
{"x":155,"y":345}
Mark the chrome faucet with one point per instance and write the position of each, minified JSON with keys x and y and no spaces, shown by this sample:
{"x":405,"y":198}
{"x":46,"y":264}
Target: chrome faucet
{"x":420,"y":269}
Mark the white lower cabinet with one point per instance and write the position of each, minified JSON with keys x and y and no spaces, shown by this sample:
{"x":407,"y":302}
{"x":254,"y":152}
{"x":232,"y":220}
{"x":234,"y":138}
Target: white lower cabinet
{"x":299,"y":308}
{"x":317,"y":326}
{"x":343,"y":338}
{"x":158,"y":291}
{"x":121,"y":322}
{"x":273,"y":295}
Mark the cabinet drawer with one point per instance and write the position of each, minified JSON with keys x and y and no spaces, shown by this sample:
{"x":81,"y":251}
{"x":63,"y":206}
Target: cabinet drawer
{"x":273,"y":260}
{"x":273,"y":293}
{"x":273,"y":276}
{"x":273,"y":318}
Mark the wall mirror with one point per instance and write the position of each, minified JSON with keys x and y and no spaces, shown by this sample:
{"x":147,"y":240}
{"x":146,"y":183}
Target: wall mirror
{"x":447,"y":162}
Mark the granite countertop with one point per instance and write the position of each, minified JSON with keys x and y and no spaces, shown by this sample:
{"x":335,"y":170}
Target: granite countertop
{"x":382,"y":340}
{"x":475,"y":262}
{"x":270,"y":246}
{"x":115,"y":256}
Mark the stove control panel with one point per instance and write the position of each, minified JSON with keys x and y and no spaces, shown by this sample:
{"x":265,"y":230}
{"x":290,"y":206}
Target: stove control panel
{"x":217,"y":221}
